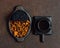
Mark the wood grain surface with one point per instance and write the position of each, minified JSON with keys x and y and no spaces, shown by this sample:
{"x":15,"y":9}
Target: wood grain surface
{"x":35,"y":8}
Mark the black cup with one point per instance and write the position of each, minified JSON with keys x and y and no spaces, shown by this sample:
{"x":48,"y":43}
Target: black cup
{"x":43,"y":25}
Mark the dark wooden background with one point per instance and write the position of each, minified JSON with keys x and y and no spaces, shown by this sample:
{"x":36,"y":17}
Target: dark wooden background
{"x":35,"y":8}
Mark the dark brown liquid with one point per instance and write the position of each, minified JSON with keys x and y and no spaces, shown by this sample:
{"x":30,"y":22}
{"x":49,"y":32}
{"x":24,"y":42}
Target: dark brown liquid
{"x":43,"y":24}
